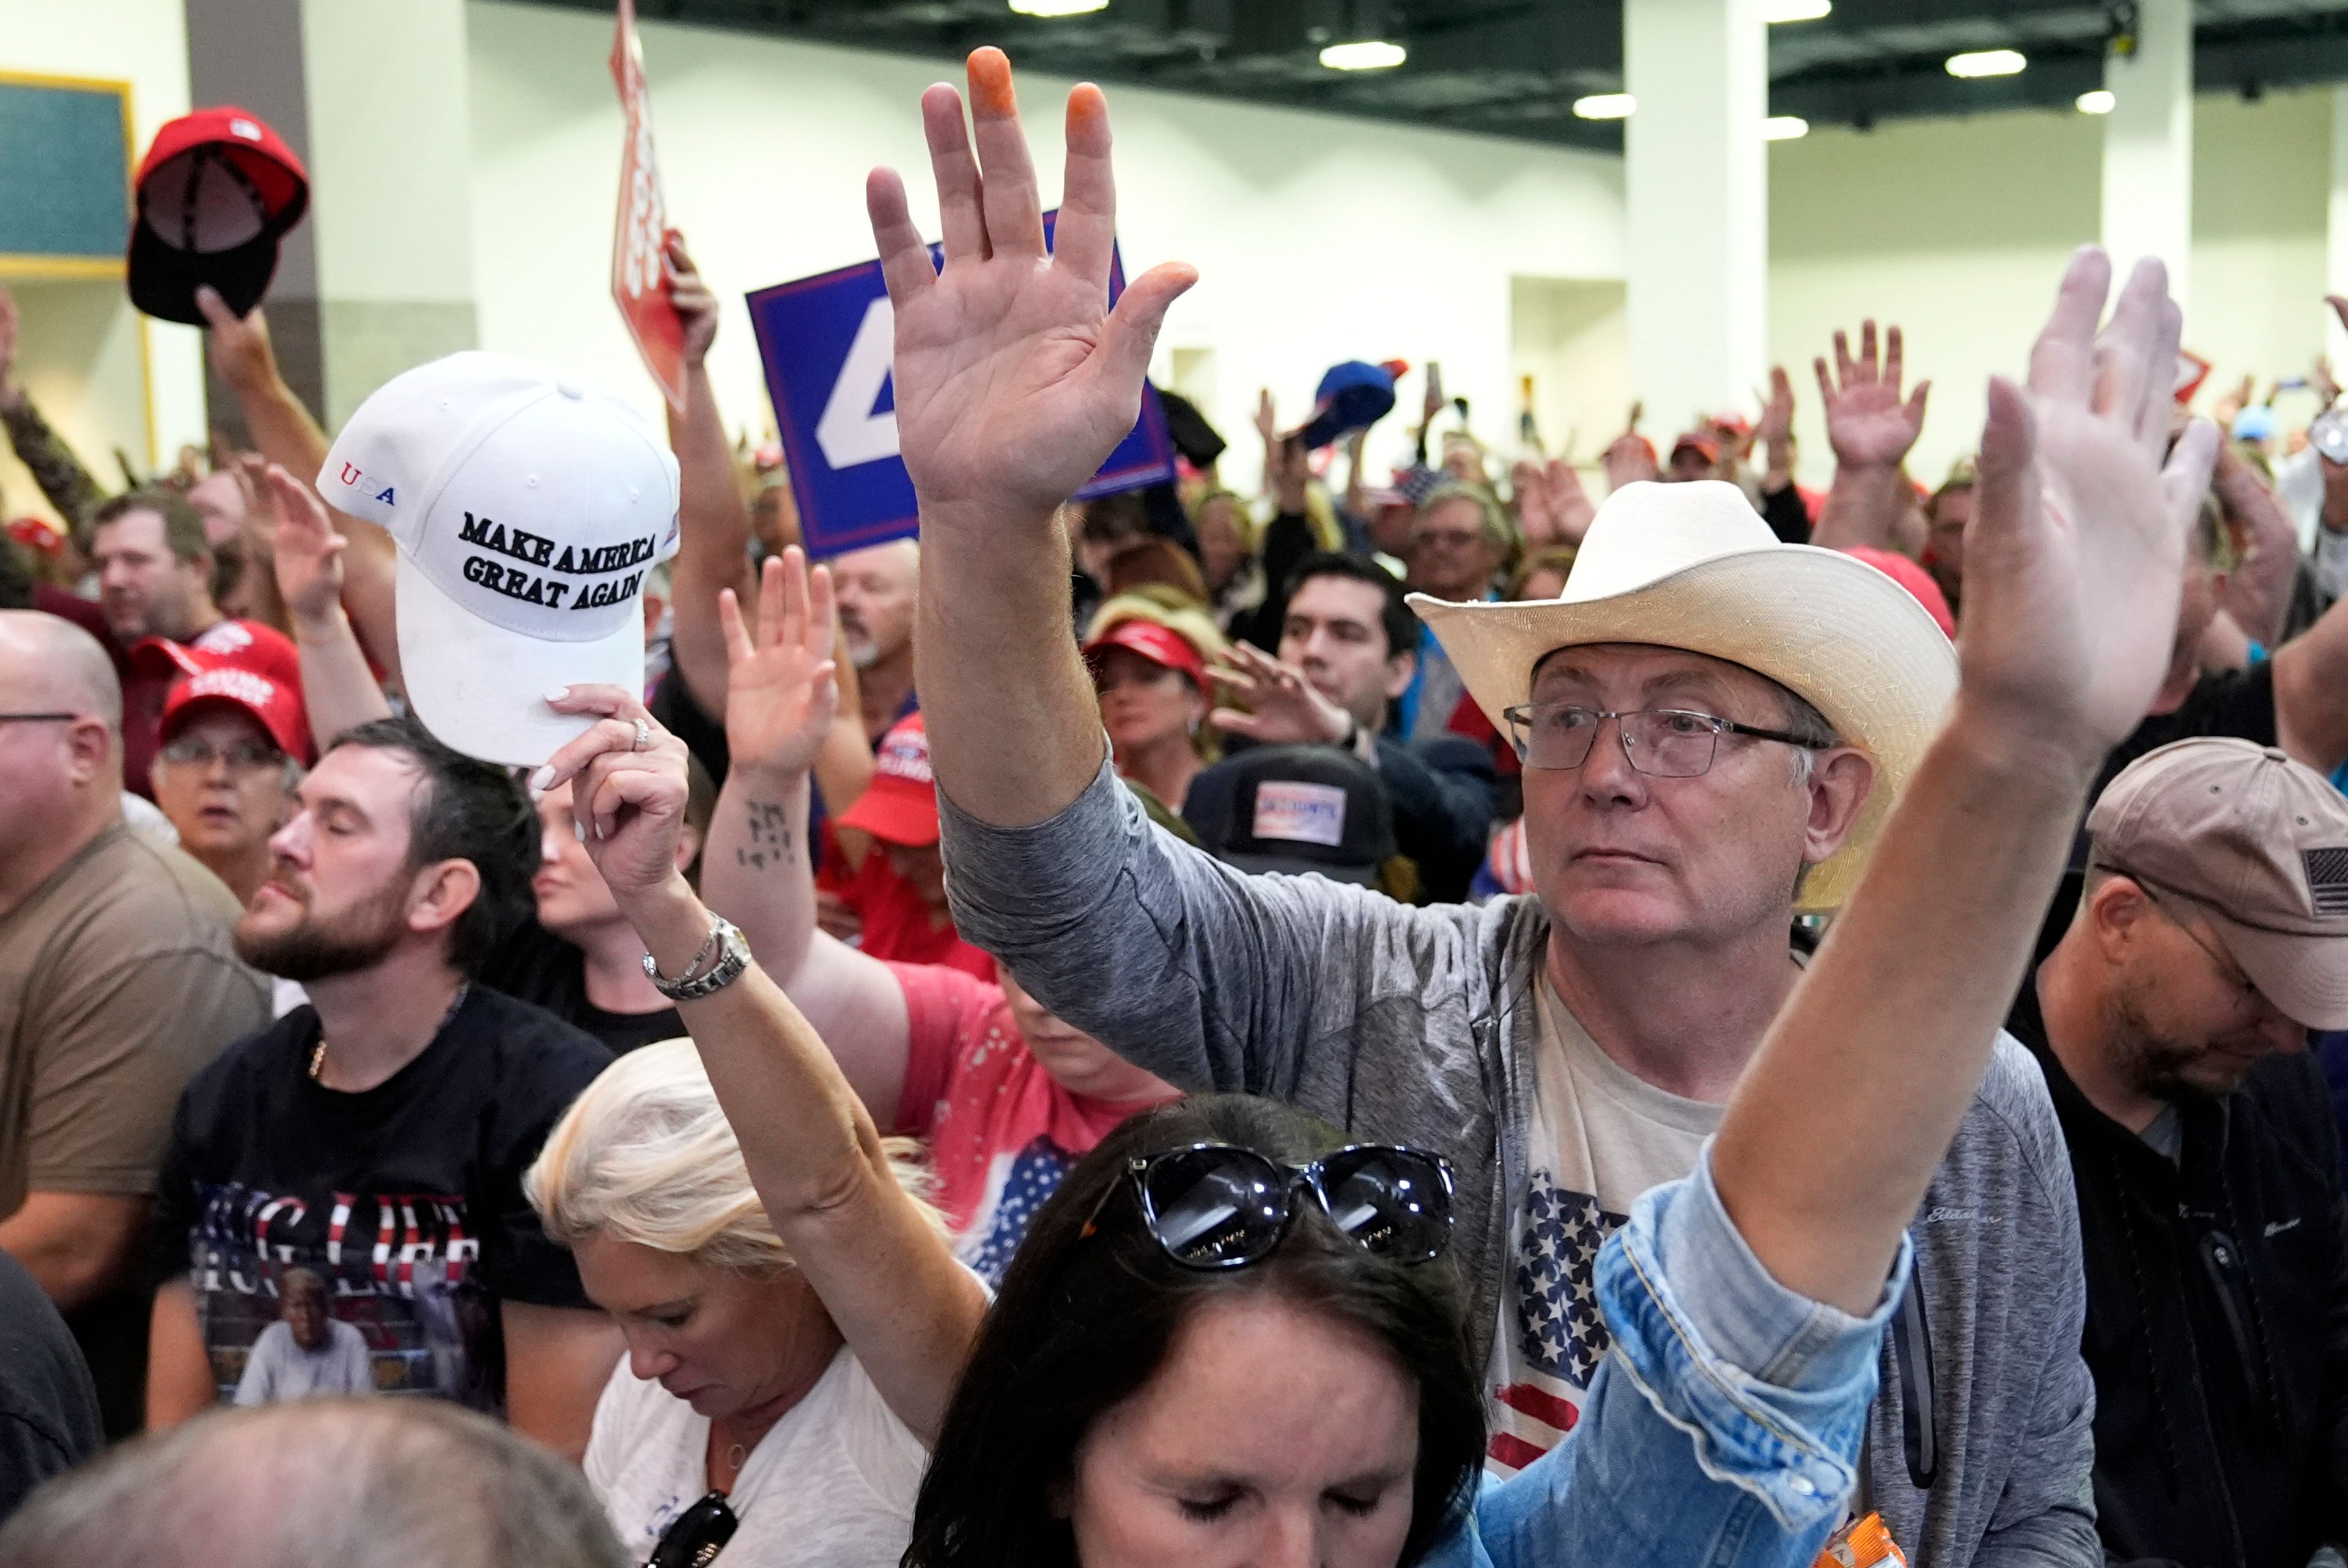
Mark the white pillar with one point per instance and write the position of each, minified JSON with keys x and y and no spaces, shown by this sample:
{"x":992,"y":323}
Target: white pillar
{"x":2149,"y":147}
{"x":1697,"y":176}
{"x":376,"y":100}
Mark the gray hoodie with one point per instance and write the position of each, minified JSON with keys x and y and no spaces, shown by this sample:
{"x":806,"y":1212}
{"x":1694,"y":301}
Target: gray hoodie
{"x":1418,"y":1026}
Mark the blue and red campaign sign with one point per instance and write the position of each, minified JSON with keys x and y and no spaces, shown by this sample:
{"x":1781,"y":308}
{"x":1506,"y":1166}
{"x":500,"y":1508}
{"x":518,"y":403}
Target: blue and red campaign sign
{"x":826,"y":342}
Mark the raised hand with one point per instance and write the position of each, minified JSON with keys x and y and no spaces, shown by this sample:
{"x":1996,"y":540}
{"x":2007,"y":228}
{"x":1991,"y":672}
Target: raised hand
{"x":1631,"y":458}
{"x":1868,"y":424}
{"x":1286,"y":471}
{"x":305,"y":547}
{"x":1014,"y":378}
{"x":1283,"y":707}
{"x":2230,"y":406}
{"x":695,"y":304}
{"x":2074,"y":558}
{"x":629,"y":801}
{"x":1552,"y":506}
{"x":238,"y":346}
{"x":781,"y":691}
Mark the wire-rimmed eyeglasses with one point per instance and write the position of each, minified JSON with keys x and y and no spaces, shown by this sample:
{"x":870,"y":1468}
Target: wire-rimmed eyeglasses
{"x":1662,"y":742}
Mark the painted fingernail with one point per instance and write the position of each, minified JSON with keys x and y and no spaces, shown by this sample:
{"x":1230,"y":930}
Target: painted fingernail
{"x":579,"y":828}
{"x":559,"y":693}
{"x":543,"y":777}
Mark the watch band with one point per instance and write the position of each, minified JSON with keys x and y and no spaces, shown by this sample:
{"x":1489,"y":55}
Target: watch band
{"x":732,"y":957}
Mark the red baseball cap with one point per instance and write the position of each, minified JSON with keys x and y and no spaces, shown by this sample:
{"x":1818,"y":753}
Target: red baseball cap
{"x":217,"y":191}
{"x":270,"y":688}
{"x":900,"y":805}
{"x":1915,"y":580}
{"x":1157,"y":643}
{"x":1702,"y":441}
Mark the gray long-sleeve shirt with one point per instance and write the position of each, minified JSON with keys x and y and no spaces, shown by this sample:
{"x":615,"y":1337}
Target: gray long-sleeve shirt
{"x":1418,"y":1026}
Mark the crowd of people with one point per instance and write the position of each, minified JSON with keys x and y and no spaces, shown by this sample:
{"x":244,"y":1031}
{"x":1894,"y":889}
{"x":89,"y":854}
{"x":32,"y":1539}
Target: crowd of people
{"x":1179,"y":1026}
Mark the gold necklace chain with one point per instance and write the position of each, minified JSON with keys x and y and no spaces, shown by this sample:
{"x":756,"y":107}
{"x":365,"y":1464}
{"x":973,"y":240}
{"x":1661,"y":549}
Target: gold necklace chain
{"x":318,"y":1054}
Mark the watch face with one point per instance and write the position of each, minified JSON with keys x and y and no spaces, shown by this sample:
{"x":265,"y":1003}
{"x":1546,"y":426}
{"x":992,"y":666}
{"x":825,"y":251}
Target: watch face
{"x":2329,"y":436}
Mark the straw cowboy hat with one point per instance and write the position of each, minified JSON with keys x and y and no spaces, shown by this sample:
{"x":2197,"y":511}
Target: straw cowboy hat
{"x":1692,"y":566}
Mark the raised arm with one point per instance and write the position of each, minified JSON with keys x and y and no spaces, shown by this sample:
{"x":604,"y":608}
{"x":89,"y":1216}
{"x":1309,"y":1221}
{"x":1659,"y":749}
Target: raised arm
{"x":2311,"y":684}
{"x":781,"y":703}
{"x":1872,"y":430}
{"x":1015,"y":381}
{"x":337,"y":689}
{"x":713,"y":550}
{"x":53,"y":467}
{"x":284,"y":432}
{"x":903,"y":1303}
{"x":2257,"y":590}
{"x":2073,"y":566}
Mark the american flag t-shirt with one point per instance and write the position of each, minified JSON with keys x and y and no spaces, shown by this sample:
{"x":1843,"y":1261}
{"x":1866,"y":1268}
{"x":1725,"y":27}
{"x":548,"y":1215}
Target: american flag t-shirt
{"x":1598,"y":1137}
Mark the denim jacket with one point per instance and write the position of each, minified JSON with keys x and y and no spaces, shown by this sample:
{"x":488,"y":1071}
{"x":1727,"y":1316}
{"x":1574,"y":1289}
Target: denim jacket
{"x":1725,"y":1425}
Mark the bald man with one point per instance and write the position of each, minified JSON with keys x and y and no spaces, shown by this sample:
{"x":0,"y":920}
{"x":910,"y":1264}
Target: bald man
{"x":118,"y":981}
{"x":353,"y":1482}
{"x":877,"y":588}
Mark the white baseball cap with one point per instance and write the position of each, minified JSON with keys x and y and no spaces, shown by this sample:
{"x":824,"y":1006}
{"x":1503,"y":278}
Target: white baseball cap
{"x":527,"y":509}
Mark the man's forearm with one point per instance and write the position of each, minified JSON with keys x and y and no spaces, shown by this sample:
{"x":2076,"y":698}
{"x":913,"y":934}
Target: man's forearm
{"x":1833,"y":1135}
{"x":1862,"y":508}
{"x":713,"y":550}
{"x":179,"y":1368}
{"x":281,"y":428}
{"x":53,"y":467}
{"x":337,"y":689}
{"x":1013,"y":725}
{"x":756,"y":870}
{"x":2311,"y":686}
{"x":76,"y":1245}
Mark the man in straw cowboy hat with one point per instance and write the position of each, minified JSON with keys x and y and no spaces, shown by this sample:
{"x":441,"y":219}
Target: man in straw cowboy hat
{"x":1715,"y":726}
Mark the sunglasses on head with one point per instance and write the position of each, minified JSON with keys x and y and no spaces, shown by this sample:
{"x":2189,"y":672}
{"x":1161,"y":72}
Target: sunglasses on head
{"x":1211,"y":1205}
{"x":696,"y":1535}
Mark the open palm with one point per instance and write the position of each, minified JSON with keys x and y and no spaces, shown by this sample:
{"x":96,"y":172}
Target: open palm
{"x":781,"y":693}
{"x":1868,"y":425}
{"x":1014,"y":378}
{"x":2075,"y":560}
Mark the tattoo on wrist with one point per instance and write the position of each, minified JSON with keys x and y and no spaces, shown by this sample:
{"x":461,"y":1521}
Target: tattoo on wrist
{"x":770,"y":835}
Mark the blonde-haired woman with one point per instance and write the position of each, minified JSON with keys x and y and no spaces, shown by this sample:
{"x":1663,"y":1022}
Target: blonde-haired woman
{"x":793,"y":1317}
{"x":1150,"y":651}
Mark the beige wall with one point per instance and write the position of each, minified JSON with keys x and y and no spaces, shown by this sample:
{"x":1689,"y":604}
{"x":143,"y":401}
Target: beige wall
{"x":1957,"y":230}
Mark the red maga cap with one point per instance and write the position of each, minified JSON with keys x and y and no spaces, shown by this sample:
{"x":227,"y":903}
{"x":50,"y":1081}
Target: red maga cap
{"x":1157,"y":643}
{"x":239,"y":662}
{"x":900,"y":805}
{"x":217,"y":191}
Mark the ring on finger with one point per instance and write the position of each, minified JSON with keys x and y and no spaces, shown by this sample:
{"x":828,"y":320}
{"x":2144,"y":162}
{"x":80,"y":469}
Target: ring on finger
{"x":643,"y":739}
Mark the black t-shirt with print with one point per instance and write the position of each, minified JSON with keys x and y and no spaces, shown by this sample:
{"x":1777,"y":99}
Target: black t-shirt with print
{"x":535,"y":966}
{"x":405,"y":1198}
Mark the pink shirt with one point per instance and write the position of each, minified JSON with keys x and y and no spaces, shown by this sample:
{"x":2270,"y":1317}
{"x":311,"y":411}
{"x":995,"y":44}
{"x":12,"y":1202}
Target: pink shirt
{"x":1002,"y":1131}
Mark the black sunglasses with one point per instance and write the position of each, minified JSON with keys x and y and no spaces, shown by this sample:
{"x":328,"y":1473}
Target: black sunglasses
{"x":698,"y":1534}
{"x":1211,"y":1205}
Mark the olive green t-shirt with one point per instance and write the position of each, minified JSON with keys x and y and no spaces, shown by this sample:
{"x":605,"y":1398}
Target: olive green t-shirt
{"x":117,"y":982}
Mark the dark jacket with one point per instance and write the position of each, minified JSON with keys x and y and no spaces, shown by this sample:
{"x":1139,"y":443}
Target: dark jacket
{"x":2217,"y":1319}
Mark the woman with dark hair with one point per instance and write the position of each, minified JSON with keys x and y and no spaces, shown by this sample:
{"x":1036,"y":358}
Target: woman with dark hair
{"x":1095,"y":1410}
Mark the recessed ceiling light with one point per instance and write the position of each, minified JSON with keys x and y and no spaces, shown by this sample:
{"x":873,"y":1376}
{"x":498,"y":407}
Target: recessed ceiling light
{"x":1057,"y":7}
{"x":1987,"y":63}
{"x":1785,"y":128}
{"x":2097,"y":102}
{"x":1606,"y":106}
{"x":1364,"y":54}
{"x":1795,"y":10}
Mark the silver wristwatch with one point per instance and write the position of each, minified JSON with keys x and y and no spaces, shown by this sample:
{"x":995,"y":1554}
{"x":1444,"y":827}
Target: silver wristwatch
{"x":732,"y":957}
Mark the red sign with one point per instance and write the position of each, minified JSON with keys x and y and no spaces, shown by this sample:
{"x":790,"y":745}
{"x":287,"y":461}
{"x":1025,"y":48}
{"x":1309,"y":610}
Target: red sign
{"x":639,"y":239}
